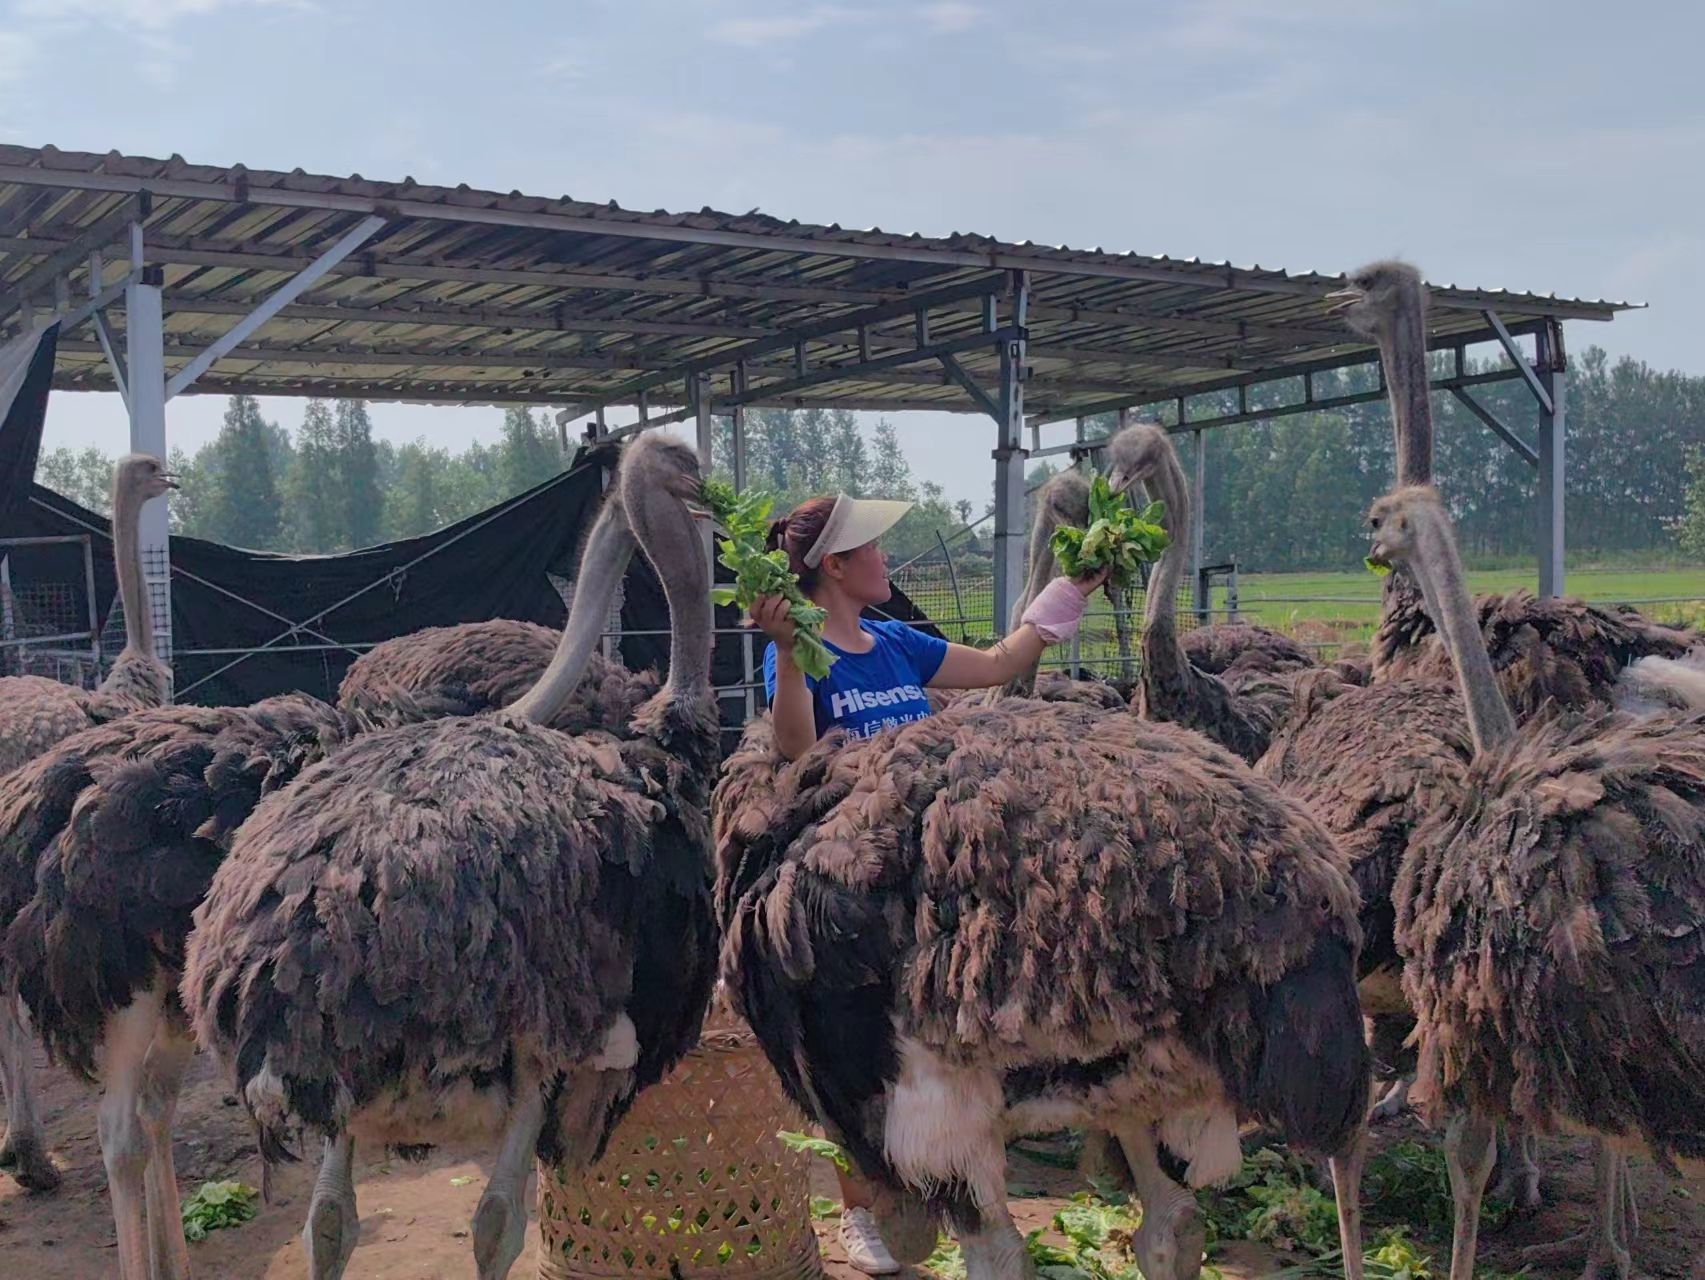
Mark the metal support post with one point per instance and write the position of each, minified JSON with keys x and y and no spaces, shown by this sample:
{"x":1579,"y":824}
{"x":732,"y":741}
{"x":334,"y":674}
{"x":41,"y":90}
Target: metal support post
{"x":1548,"y":343}
{"x":1199,"y":501}
{"x":1009,"y":458}
{"x":706,"y":432}
{"x":737,"y":424}
{"x":145,"y":357}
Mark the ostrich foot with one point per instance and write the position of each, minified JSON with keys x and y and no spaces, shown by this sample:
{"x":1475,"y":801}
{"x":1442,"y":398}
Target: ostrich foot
{"x":500,"y":1221}
{"x":906,"y":1225}
{"x":1518,"y":1170}
{"x":23,"y":1157}
{"x":1564,"y":1252}
{"x":1395,"y":1102}
{"x":995,"y":1251}
{"x":1168,"y":1245}
{"x":334,"y":1223}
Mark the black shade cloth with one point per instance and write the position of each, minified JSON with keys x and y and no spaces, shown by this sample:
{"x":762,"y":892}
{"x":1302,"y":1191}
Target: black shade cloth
{"x":496,"y":564}
{"x":26,"y":373}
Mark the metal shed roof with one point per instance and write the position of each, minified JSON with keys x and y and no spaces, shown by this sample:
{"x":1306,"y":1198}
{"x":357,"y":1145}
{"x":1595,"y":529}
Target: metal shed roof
{"x":483,"y":297}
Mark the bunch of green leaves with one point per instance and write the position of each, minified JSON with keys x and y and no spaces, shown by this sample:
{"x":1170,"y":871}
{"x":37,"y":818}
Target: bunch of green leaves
{"x":1409,"y":1182}
{"x":817,"y":1147}
{"x":1118,"y":539}
{"x":1271,"y":1200}
{"x":745,"y":518}
{"x":215,"y":1205}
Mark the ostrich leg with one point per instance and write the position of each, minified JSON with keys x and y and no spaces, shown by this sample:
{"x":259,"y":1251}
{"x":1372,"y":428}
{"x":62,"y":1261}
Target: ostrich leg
{"x":1347,"y":1191}
{"x":124,"y":1139}
{"x":1394,"y":1103}
{"x":500,"y":1221}
{"x":334,"y":1224}
{"x":1469,"y":1151}
{"x":23,"y":1153}
{"x":163,"y":1073}
{"x":1518,"y":1167}
{"x":1168,"y":1244}
{"x":990,"y":1243}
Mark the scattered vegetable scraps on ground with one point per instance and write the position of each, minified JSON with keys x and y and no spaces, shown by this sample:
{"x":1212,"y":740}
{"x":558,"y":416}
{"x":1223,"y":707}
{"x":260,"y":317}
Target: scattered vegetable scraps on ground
{"x":745,"y":518}
{"x":1119,"y":538}
{"x":215,"y":1205}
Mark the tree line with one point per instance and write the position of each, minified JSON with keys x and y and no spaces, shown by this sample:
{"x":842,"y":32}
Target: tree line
{"x":1288,"y":494}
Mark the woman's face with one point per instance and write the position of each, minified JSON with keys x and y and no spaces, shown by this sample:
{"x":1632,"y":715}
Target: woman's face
{"x":864,"y":574}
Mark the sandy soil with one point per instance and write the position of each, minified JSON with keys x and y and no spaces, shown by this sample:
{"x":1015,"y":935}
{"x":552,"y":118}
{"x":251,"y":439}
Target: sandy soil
{"x":414,"y":1216}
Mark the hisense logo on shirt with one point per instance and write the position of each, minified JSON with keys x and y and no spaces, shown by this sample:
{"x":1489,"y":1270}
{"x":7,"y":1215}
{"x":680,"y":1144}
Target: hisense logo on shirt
{"x":852,"y":700}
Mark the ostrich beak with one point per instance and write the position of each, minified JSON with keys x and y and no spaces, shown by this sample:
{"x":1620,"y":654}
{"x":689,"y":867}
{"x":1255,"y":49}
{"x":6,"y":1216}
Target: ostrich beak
{"x":1341,"y":300}
{"x":1377,"y":554}
{"x":1118,"y":481}
{"x":171,"y":479}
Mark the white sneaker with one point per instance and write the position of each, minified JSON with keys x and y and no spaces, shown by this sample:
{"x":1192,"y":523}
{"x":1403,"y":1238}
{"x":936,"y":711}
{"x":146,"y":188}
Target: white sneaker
{"x":863,"y":1243}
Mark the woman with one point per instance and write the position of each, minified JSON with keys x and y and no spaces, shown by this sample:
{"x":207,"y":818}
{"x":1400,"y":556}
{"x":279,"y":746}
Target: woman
{"x":877,"y":681}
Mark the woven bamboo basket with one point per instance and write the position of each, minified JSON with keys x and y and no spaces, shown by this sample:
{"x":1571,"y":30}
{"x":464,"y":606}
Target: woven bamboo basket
{"x":694,"y":1183}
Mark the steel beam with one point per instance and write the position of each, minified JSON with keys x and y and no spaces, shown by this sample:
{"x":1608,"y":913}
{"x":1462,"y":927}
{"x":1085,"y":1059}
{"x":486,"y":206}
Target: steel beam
{"x":1009,"y":459}
{"x":1303,"y":406}
{"x":856,"y":372}
{"x":1198,"y":525}
{"x":1281,"y":372}
{"x":982,"y":399}
{"x":145,"y":359}
{"x":286,"y":293}
{"x":1498,"y":428}
{"x":115,"y":361}
{"x":67,"y":254}
{"x":1507,"y":340}
{"x":1551,"y":373}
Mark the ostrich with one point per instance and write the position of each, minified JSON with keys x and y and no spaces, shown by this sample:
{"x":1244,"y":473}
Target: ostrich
{"x":1063,"y":499}
{"x":564,"y":876}
{"x":35,"y":712}
{"x":1551,"y":923}
{"x":1014,"y":917}
{"x":1241,"y":710}
{"x":487,"y":665}
{"x":109,"y":840}
{"x":1558,"y":651}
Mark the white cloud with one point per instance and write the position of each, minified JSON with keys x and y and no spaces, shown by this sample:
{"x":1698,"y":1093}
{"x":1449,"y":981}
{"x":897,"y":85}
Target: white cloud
{"x":951,"y":16}
{"x":754,"y":33}
{"x":144,"y":15}
{"x":566,"y":67}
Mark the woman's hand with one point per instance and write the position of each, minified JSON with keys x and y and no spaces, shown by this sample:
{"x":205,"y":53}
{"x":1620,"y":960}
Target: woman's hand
{"x":770,"y":615}
{"x":1088,"y":582}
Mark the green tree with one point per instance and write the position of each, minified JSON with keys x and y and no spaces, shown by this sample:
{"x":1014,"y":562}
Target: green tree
{"x":530,"y":454}
{"x":890,"y":473}
{"x":316,"y":511}
{"x":243,"y":506}
{"x":851,"y":460}
{"x":83,"y":475}
{"x":357,"y":465}
{"x":1689,"y":527}
{"x":412,"y":503}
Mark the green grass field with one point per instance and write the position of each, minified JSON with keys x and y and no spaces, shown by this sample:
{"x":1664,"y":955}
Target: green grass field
{"x":1335,"y":608}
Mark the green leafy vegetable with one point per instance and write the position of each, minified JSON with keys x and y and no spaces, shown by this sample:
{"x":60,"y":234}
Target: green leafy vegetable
{"x":817,"y":1147}
{"x":1118,"y":539}
{"x":744,"y":517}
{"x":1375,"y":567}
{"x":218,"y":1204}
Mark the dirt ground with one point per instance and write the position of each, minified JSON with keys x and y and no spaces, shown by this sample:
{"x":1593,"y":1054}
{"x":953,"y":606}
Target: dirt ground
{"x":414,"y":1216}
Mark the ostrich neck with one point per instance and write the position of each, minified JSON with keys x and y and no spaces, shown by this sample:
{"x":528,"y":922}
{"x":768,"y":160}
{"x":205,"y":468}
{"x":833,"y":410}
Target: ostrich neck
{"x":1161,"y":649}
{"x":127,"y":567}
{"x":686,"y":587}
{"x":604,"y":559}
{"x":1403,"y":352}
{"x":1043,"y":570}
{"x":1438,"y":570}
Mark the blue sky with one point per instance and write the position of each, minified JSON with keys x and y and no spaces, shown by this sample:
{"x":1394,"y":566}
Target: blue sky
{"x":1557,"y":146}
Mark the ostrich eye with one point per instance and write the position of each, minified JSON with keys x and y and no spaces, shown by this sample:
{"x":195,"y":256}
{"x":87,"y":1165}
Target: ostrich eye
{"x":1373,"y":522}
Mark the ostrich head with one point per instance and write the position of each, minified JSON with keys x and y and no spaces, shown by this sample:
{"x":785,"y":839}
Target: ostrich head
{"x":1062,"y":499}
{"x":1398,"y":522}
{"x":1376,"y":294}
{"x":139,"y":477}
{"x":1136,"y":453}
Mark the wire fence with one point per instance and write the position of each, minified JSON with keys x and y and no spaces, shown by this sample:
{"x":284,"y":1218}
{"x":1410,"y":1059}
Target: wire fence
{"x":47,"y":610}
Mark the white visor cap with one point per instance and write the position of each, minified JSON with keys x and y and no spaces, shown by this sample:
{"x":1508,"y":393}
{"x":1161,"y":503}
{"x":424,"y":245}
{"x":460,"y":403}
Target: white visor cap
{"x":854,"y":522}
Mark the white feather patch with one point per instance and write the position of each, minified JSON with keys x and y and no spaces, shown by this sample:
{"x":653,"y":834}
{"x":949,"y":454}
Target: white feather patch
{"x":1207,"y":1138}
{"x":621,"y":1047}
{"x":945,"y":1124}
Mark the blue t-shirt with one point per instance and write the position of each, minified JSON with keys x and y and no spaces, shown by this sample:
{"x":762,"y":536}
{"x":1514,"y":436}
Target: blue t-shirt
{"x":865,"y":693}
